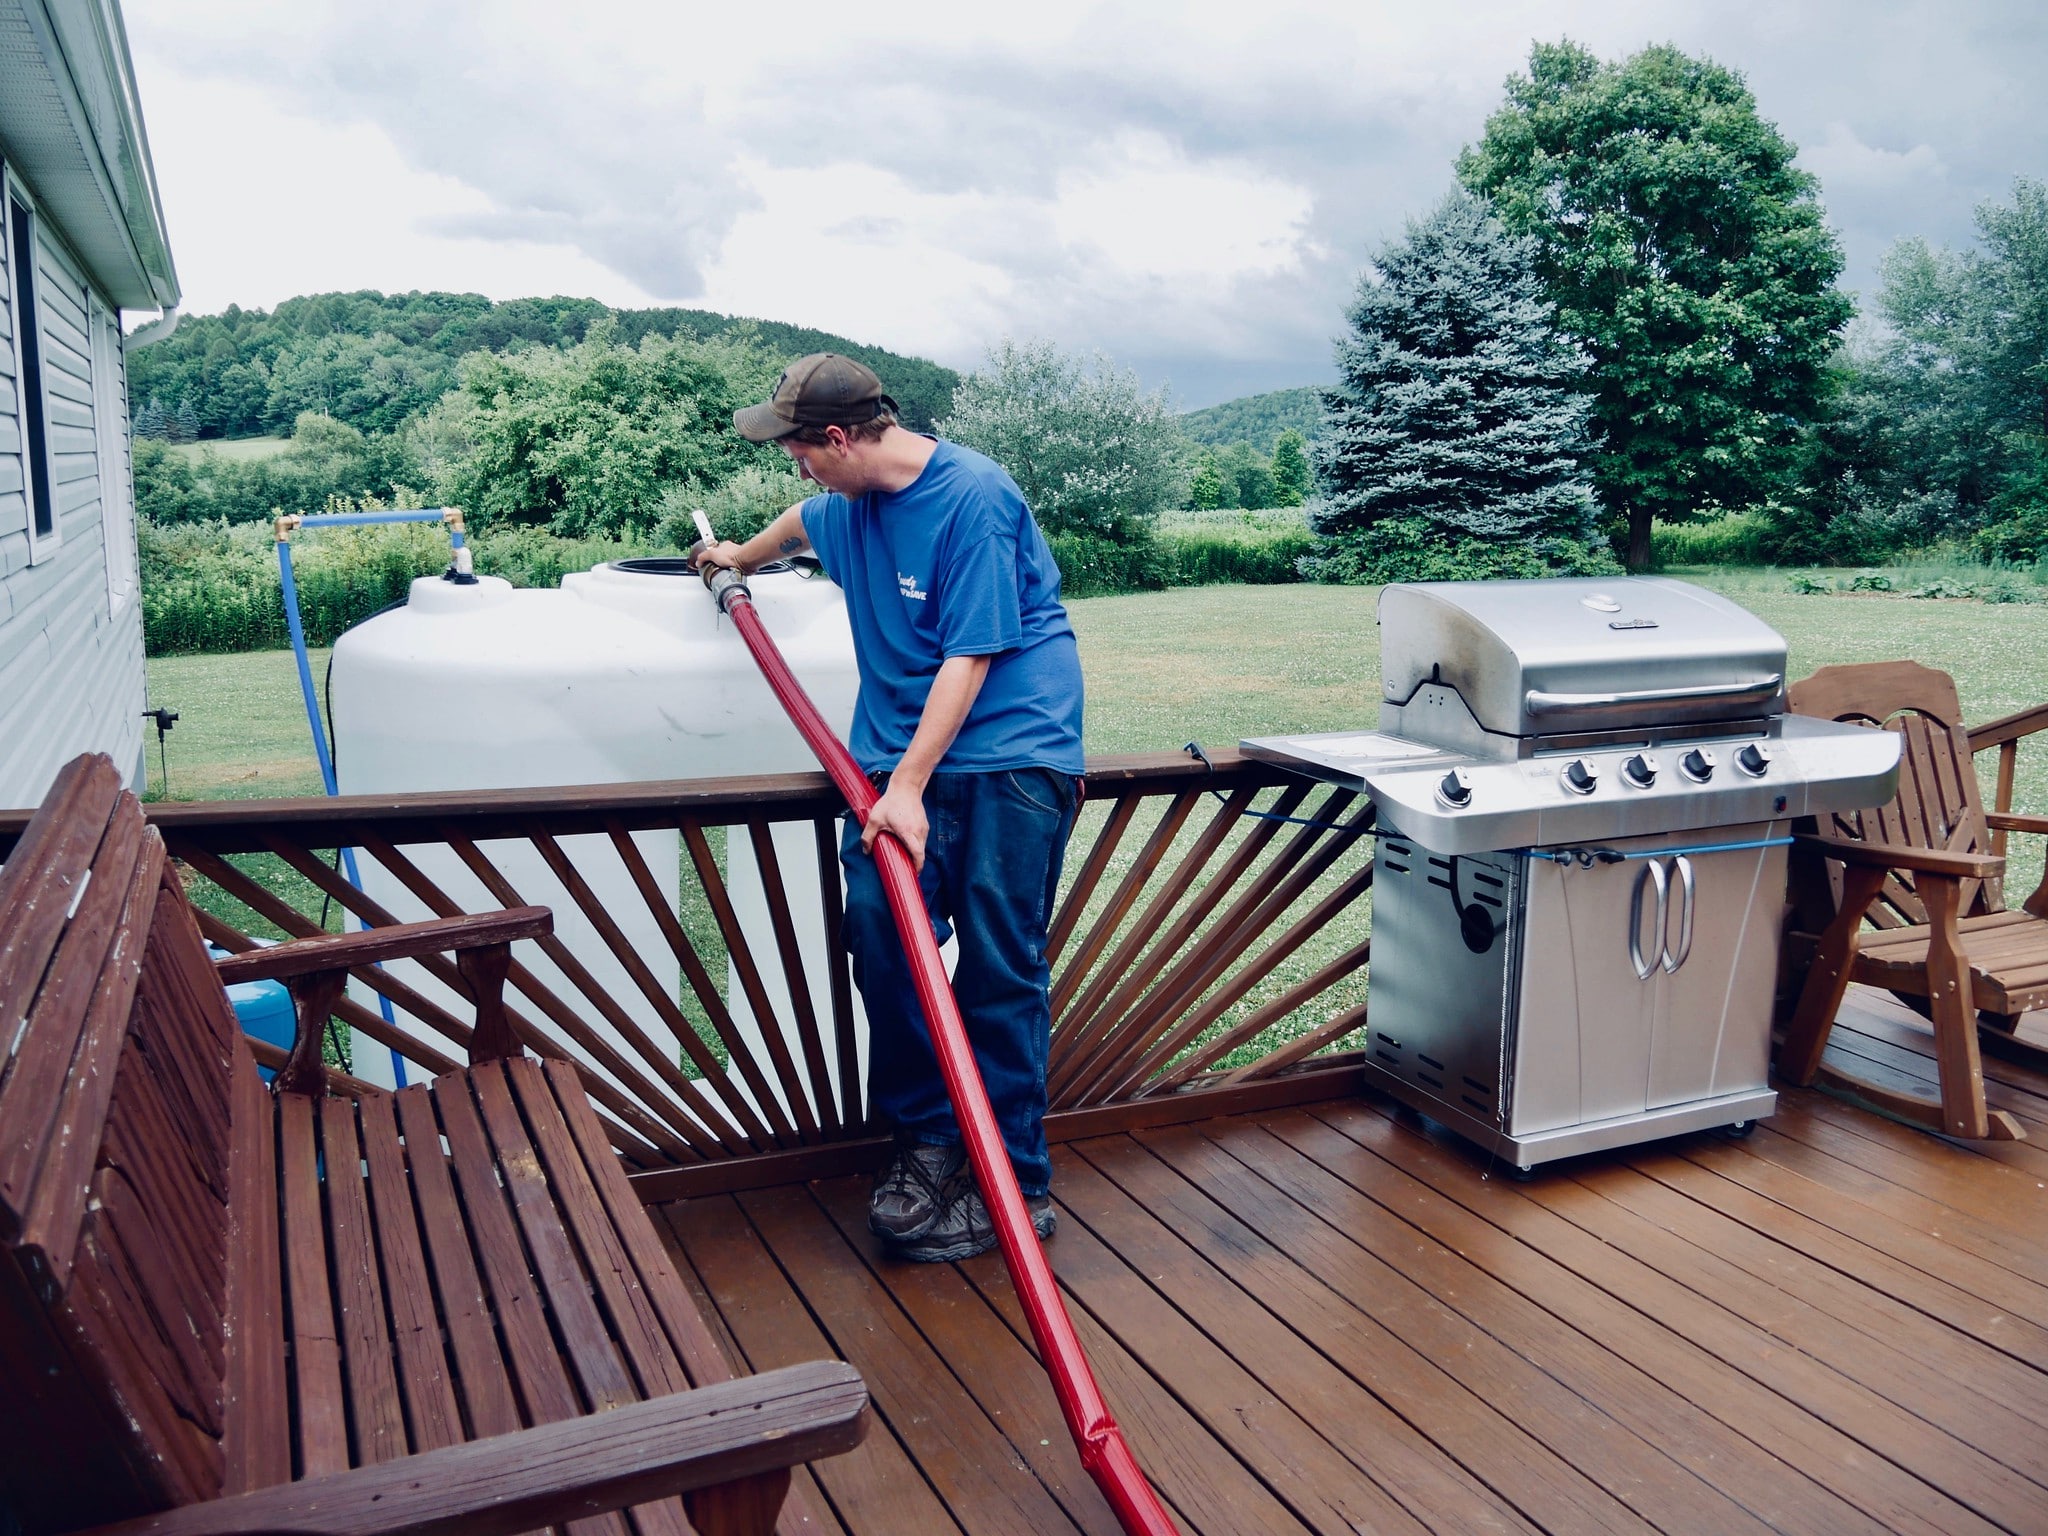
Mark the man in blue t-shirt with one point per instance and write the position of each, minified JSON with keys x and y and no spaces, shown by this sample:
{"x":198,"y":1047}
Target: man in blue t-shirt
{"x":969,"y":721}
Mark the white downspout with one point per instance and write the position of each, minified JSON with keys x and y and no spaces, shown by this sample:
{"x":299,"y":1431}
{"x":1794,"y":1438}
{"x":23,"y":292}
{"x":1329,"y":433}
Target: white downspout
{"x":153,"y":331}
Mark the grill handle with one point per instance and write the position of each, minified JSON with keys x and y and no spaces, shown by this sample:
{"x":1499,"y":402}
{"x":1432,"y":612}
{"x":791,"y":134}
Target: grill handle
{"x":1537,"y":702}
{"x":1682,"y":866}
{"x":1655,"y":879}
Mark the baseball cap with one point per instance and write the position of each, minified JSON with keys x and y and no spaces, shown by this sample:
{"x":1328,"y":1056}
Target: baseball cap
{"x":821,"y":390}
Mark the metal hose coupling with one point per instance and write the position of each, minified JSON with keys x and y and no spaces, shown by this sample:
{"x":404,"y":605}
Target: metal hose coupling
{"x":726,"y":586}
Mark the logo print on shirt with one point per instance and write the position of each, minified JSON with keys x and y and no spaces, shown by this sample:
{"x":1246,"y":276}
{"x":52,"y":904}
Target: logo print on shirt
{"x":909,"y":588}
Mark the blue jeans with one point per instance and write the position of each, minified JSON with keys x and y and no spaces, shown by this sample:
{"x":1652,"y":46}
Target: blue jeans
{"x":991,"y":870}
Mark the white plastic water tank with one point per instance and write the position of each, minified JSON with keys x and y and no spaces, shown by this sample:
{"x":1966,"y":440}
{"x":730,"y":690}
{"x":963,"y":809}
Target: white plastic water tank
{"x":626,"y":673}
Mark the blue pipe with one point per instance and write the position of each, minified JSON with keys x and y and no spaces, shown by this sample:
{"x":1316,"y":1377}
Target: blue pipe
{"x":297,"y":628}
{"x":298,"y":634}
{"x":1616,"y":855}
{"x":359,"y":519}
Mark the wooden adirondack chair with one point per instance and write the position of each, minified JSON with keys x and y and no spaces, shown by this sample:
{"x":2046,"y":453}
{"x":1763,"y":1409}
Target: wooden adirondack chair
{"x":1910,"y":897}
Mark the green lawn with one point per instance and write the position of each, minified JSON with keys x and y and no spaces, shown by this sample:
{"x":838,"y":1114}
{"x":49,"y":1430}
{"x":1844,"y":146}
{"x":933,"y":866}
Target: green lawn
{"x":241,"y":731}
{"x":1208,"y":664}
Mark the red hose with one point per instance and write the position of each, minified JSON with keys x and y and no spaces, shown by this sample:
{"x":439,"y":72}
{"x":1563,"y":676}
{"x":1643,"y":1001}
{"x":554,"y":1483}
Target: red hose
{"x":1104,"y":1453}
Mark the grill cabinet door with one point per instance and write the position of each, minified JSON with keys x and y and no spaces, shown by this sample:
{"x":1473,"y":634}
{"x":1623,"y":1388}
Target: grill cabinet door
{"x":1596,"y":1039}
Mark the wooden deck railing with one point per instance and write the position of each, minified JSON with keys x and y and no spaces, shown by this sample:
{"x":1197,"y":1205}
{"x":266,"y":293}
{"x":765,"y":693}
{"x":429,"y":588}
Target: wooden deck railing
{"x":1202,"y":945}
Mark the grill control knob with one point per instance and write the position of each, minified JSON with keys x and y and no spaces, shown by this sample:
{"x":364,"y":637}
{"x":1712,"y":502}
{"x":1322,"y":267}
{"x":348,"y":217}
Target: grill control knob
{"x":1456,"y":789}
{"x":1697,"y":765}
{"x":1753,"y":760}
{"x":1581,"y":777}
{"x":1640,"y":771}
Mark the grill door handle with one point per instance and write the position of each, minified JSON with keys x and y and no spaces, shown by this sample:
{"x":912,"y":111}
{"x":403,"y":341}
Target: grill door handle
{"x":1537,"y":702}
{"x":1653,"y":876}
{"x":1672,"y":962}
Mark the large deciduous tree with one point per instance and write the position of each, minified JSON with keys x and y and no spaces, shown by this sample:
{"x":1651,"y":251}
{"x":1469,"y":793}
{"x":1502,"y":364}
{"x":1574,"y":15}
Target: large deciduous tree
{"x":1454,"y":437}
{"x":1685,"y":252}
{"x":1093,"y":452}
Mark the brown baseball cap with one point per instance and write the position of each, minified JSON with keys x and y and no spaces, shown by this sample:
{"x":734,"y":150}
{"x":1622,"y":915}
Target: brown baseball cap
{"x":822,"y":390}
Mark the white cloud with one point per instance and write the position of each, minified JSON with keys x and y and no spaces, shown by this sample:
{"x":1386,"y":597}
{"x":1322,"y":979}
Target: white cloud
{"x":854,"y":249}
{"x":1192,"y":188}
{"x":316,"y":206}
{"x":1151,"y":211}
{"x":1844,"y":163}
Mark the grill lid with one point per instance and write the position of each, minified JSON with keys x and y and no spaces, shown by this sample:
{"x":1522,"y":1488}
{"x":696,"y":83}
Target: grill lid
{"x":1536,"y":658}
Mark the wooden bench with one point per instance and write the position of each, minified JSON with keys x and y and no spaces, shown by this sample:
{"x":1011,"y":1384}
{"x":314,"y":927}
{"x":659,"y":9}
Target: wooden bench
{"x":227,"y":1307}
{"x":1910,"y":897}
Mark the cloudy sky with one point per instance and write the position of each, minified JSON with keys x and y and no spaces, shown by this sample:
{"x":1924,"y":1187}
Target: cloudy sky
{"x":1191,"y":189}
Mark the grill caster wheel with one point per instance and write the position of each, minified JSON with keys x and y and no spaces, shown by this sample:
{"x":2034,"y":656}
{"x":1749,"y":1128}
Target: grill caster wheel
{"x":1519,"y":1174}
{"x":1739,"y":1130}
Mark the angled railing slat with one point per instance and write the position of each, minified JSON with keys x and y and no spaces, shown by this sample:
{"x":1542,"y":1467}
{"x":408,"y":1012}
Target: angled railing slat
{"x":761,"y":835}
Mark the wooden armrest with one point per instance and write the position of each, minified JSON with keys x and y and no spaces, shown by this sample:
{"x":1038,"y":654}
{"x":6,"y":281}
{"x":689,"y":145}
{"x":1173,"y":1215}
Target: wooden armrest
{"x":1921,"y":861}
{"x":1995,"y":733}
{"x":346,"y":951}
{"x":2014,"y":821}
{"x":558,"y":1472}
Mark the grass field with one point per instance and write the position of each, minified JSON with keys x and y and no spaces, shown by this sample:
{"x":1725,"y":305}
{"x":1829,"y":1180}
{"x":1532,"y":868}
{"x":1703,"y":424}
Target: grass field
{"x":1207,"y":664}
{"x":234,"y":447}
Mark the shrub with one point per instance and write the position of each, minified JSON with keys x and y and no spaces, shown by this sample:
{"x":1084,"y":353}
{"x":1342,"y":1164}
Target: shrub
{"x":738,"y":509}
{"x":1410,"y":549}
{"x":1734,"y":538}
{"x":1094,"y":566}
{"x":1866,"y":529}
{"x":1250,"y":548}
{"x":1093,"y":453}
{"x":1189,"y":549}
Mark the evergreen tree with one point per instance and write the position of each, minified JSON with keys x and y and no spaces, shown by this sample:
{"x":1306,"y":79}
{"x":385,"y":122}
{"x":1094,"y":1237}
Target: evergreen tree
{"x":1685,"y":253}
{"x":150,"y":420}
{"x":1456,"y":432}
{"x":187,"y":421}
{"x":1205,"y":486}
{"x":1290,"y":469}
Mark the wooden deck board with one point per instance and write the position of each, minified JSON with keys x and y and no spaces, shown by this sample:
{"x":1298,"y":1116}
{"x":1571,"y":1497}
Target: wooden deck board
{"x":1338,"y":1316}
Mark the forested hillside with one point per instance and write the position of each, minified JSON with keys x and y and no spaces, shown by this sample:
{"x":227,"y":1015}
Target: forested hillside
{"x":1257,"y":420}
{"x":373,"y":360}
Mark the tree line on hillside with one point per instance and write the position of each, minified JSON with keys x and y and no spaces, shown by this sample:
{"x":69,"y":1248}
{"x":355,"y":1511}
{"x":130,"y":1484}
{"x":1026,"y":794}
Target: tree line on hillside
{"x":1256,"y":419}
{"x":374,"y":360}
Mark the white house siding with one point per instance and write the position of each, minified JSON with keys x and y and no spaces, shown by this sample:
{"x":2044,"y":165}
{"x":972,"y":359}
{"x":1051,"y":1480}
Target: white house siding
{"x":71,"y":674}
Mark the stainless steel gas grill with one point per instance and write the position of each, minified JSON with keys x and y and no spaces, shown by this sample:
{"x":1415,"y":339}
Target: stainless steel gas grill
{"x":1585,"y":791}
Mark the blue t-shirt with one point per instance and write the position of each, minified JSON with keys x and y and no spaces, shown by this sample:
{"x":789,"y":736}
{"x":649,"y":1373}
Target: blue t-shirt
{"x":953,"y":565}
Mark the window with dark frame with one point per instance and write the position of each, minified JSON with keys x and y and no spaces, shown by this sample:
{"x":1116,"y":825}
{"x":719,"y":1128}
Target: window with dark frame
{"x":29,"y":381}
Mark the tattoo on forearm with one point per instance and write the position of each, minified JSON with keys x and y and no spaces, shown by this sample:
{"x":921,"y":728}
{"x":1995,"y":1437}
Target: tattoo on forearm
{"x":791,"y":545}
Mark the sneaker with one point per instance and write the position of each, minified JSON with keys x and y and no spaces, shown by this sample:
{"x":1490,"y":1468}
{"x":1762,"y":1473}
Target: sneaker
{"x":912,"y":1192}
{"x":965,"y":1228}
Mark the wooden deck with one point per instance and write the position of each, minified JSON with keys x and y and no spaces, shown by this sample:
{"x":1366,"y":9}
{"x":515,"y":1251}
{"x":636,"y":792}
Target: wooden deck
{"x":1336,"y":1318}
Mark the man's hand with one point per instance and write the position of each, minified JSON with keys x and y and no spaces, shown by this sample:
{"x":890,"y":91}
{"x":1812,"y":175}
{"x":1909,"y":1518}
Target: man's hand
{"x":724,"y":553}
{"x":900,"y":811}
